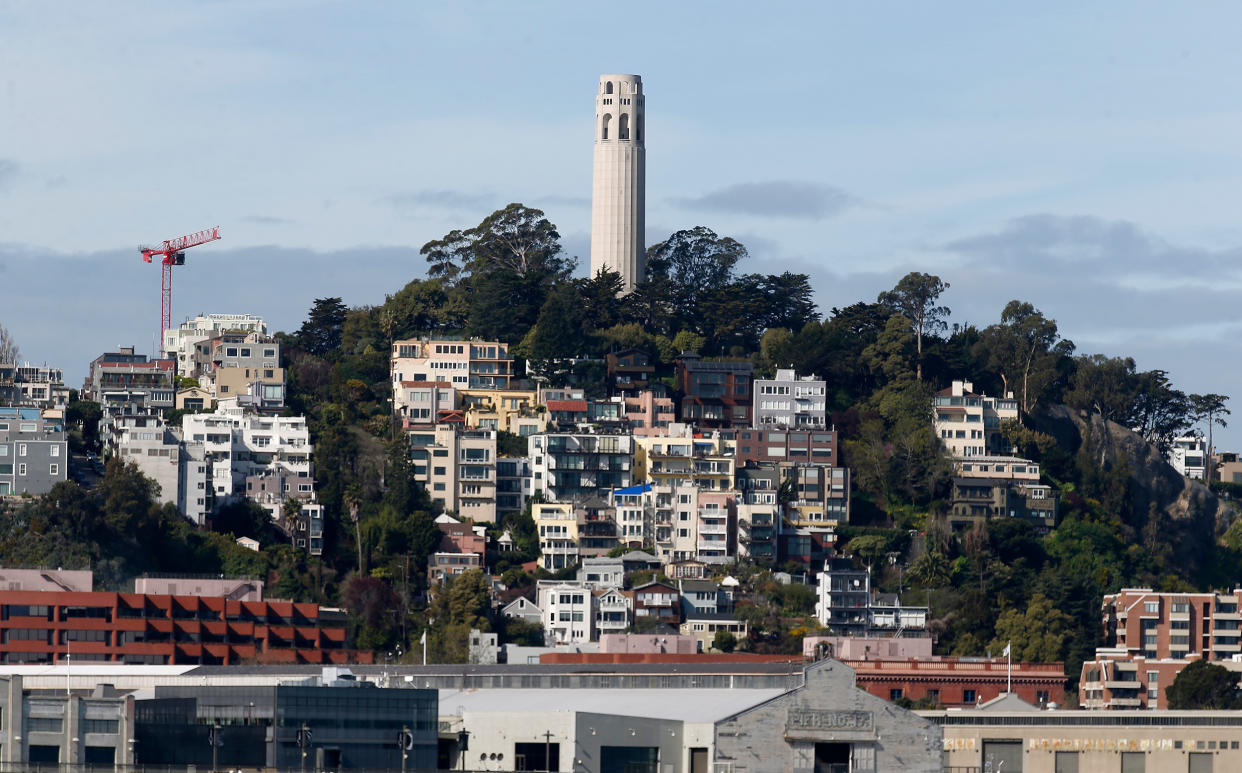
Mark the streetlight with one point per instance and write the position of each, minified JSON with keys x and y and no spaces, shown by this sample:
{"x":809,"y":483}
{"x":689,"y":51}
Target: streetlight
{"x":304,"y":739}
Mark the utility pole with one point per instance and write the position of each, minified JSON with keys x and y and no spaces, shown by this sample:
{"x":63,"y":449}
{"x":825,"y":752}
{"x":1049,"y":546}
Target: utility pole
{"x":547,"y":751}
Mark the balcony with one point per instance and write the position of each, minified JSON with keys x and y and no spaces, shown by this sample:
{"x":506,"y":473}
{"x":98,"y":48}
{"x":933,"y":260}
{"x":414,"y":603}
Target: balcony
{"x":713,"y":528}
{"x":1125,"y":703}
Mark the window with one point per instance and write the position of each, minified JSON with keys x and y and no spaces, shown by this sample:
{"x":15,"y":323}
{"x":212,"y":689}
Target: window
{"x":53,"y":469}
{"x":55,"y":450}
{"x":895,"y":693}
{"x":21,"y":449}
{"x":21,"y":469}
{"x":1151,"y":607}
{"x":968,"y":696}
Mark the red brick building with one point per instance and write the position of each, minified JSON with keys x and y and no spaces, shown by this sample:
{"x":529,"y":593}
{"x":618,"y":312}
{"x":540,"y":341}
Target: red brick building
{"x":959,"y":682}
{"x":48,"y":626}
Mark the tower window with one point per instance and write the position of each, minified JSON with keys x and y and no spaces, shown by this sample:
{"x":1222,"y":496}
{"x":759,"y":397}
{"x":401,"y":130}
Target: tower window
{"x":623,"y":127}
{"x":608,"y":87}
{"x":604,"y":124}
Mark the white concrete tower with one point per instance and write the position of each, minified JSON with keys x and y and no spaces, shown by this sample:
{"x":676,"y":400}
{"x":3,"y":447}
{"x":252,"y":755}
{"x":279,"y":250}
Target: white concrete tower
{"x":618,"y":199}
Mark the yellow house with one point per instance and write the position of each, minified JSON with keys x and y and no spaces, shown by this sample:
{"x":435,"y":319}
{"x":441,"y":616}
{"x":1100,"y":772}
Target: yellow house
{"x":708,"y":463}
{"x":511,"y":410}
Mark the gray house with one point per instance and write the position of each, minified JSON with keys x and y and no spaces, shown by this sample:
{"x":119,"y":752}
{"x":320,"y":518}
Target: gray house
{"x":34,"y":454}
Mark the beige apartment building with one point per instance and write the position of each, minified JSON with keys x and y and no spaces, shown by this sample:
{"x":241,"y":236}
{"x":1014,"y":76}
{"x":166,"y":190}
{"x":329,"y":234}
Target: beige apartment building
{"x":968,"y":424}
{"x":466,"y":364}
{"x":458,"y":468}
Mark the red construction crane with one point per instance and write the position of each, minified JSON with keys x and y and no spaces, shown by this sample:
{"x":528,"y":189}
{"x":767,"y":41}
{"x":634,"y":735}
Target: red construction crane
{"x":173,"y":251}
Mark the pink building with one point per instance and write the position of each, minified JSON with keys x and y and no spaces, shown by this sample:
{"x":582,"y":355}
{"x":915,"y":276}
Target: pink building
{"x":647,"y":644}
{"x":650,"y":415}
{"x":235,"y":590}
{"x":866,"y":647}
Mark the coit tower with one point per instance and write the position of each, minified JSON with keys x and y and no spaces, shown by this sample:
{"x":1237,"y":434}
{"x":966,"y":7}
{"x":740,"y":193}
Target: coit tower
{"x":619,"y":192}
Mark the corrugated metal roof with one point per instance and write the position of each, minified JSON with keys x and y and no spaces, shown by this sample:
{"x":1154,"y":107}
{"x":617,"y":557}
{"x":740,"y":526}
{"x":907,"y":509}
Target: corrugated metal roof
{"x":686,"y":705}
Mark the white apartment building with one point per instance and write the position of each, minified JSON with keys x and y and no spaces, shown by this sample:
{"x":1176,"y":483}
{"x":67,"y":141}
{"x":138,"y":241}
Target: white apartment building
{"x":635,"y":508}
{"x":421,"y":402}
{"x":614,"y":611}
{"x":568,"y":612}
{"x":790,"y":401}
{"x":458,"y":468}
{"x":968,"y":424}
{"x":179,"y":469}
{"x":179,"y":342}
{"x":239,"y":444}
{"x":1188,"y":455}
{"x":472,"y":364}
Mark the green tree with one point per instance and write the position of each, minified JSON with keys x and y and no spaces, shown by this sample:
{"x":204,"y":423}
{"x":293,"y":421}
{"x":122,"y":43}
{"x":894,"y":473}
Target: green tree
{"x":1210,"y":408}
{"x":686,"y":341}
{"x":1203,"y":685}
{"x":1040,"y":634}
{"x":915,"y":297}
{"x":1024,"y":348}
{"x":321,"y":332}
{"x":724,"y":641}
{"x":692,"y":263}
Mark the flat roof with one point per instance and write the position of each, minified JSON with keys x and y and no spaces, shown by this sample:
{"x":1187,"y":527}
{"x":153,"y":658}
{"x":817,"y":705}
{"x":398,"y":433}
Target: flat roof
{"x":687,"y":705}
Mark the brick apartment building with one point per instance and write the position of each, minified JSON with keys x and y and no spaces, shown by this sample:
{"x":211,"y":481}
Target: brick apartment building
{"x":154,"y":629}
{"x":1149,"y":637}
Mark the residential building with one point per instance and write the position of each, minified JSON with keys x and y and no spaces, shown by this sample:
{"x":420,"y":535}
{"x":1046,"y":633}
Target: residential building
{"x":977,"y":499}
{"x":597,"y":528}
{"x":570,"y":466}
{"x":614,"y":611}
{"x":34,"y":452}
{"x":704,"y":626}
{"x":821,"y":495}
{"x":194,"y":399}
{"x":44,"y":626}
{"x":1011,"y":468}
{"x":1150,"y":636}
{"x":515,"y":411}
{"x":602,"y":572}
{"x":234,"y":363}
{"x":458,"y":468}
{"x":681,"y":458}
{"x":847,"y":605}
{"x":659,"y":601}
{"x":649,"y":413}
{"x":699,"y":597}
{"x":786,"y":446}
{"x":715,"y":394}
{"x":636,"y":509}
{"x":969,"y":424}
{"x":445,"y":565}
{"x":33,"y":386}
{"x":423,"y":402}
{"x":180,"y":342}
{"x":1188,"y":455}
{"x":558,"y":534}
{"x":629,"y":371}
{"x":758,"y":510}
{"x":568,"y":612}
{"x":716,"y":526}
{"x":513,"y":484}
{"x":180,"y":469}
{"x":523,"y":608}
{"x":240,"y":445}
{"x":472,"y":364}
{"x":790,"y":401}
{"x":127,"y":384}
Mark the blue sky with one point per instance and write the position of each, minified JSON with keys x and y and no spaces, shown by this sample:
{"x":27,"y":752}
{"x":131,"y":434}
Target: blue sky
{"x":1081,"y":156}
